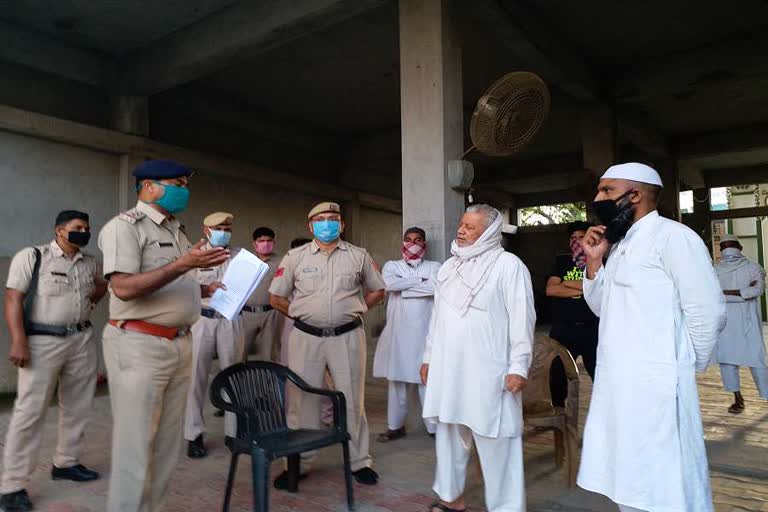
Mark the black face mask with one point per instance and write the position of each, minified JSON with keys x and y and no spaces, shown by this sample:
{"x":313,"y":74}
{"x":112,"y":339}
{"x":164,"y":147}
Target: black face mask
{"x":617,"y":216}
{"x":79,"y":238}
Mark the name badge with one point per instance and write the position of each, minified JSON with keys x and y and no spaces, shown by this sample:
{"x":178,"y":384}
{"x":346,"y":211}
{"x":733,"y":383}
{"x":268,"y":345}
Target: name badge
{"x":206,"y":270}
{"x":165,"y":244}
{"x":309,"y":270}
{"x":58,"y":274}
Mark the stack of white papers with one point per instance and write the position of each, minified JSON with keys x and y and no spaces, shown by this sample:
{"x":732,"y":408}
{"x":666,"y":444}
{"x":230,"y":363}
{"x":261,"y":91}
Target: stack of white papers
{"x":243,"y":275}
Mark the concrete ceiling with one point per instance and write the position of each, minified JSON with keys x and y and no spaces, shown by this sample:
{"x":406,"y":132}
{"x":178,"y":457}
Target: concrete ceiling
{"x":112,"y":27}
{"x":329,"y":69}
{"x":615,"y":31}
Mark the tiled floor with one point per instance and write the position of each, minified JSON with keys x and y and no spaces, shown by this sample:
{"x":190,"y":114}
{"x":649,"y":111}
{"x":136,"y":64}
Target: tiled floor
{"x":737,"y":445}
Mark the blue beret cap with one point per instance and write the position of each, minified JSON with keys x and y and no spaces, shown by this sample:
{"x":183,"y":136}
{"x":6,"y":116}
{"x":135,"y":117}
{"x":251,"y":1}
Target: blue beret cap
{"x":160,"y":170}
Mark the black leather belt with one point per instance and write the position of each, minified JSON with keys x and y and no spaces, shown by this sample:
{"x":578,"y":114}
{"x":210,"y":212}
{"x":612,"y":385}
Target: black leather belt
{"x":327,"y":332}
{"x":210,"y":313}
{"x":35,"y":329}
{"x":258,"y":309}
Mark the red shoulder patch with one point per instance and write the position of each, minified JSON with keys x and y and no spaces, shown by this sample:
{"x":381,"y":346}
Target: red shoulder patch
{"x":376,"y":266}
{"x":280,"y":271}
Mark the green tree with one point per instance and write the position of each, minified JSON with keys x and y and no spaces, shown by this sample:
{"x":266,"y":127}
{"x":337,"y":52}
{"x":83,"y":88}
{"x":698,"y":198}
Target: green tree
{"x":552,"y":214}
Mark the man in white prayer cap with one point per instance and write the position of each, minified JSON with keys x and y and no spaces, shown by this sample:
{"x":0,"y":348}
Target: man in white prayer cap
{"x":661,"y":309}
{"x":476,"y":364}
{"x":741,"y":342}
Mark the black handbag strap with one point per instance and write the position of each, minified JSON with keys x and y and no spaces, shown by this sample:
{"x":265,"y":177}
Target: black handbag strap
{"x":29,"y":297}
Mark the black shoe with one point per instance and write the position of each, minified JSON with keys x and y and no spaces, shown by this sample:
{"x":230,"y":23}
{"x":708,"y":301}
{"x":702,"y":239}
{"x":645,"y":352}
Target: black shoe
{"x":196,"y":449}
{"x":77,"y":473}
{"x":281,"y":482}
{"x":366,"y":476}
{"x":16,"y":502}
{"x":219,"y":413}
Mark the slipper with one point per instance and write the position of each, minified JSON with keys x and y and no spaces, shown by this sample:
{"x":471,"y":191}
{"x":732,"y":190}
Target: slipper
{"x":445,"y":508}
{"x":391,"y":435}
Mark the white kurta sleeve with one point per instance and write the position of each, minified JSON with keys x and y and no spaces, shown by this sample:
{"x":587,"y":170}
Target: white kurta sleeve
{"x":395,"y":283}
{"x":687,"y":262}
{"x":518,"y":299}
{"x":593,"y":290}
{"x":757,"y":276}
{"x":427,"y":357}
{"x":424,"y":288}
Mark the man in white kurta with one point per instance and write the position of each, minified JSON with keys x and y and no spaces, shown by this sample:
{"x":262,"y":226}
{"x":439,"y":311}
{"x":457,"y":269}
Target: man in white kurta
{"x":660,"y":309}
{"x":410,"y":290}
{"x":741,"y":342}
{"x":476,"y":364}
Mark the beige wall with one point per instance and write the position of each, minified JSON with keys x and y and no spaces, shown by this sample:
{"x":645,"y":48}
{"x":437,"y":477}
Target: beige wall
{"x":40,"y":179}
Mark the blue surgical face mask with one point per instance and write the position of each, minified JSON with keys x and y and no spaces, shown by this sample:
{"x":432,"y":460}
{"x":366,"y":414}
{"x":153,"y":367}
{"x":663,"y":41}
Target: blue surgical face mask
{"x":326,"y":230}
{"x":219,"y":238}
{"x":174,"y":198}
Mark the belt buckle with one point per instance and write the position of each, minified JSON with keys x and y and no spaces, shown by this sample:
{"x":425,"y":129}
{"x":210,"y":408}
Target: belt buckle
{"x":71,"y":329}
{"x":182,"y":332}
{"x":328,"y":332}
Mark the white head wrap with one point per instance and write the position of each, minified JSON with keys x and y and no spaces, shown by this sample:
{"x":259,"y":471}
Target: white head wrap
{"x":462,"y":277}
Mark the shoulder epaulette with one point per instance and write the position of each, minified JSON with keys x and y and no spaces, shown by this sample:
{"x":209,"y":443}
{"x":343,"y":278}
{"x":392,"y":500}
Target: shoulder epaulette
{"x":298,"y":249}
{"x":132,"y":216}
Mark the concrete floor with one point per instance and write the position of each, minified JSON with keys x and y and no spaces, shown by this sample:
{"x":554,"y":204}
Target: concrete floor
{"x":737,"y":446}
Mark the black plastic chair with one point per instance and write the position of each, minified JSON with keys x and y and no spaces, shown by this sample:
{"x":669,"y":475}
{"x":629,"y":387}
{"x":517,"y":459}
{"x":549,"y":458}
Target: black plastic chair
{"x":255,"y":392}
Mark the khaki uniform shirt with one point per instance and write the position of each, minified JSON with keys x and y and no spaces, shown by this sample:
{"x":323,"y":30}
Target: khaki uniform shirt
{"x":206,"y":276}
{"x":140,"y":240}
{"x":260,"y":296}
{"x":64,"y":285}
{"x":328,"y":288}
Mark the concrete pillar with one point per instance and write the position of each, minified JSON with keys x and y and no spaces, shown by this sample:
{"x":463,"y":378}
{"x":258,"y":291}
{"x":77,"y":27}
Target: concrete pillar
{"x":350,"y":213}
{"x":130,"y":114}
{"x":598,"y":145}
{"x":126,"y":185}
{"x":701,"y":219}
{"x":431,"y":120}
{"x":669,"y":204}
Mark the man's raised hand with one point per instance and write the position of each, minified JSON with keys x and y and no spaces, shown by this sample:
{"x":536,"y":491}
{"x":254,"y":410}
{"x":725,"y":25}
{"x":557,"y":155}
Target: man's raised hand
{"x":199,"y":257}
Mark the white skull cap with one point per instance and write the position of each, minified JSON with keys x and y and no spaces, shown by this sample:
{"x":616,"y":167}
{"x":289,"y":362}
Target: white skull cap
{"x":634,"y":171}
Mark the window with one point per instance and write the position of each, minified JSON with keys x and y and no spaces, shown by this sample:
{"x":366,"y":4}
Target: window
{"x":686,"y":201}
{"x":718,"y":199}
{"x":552,"y":214}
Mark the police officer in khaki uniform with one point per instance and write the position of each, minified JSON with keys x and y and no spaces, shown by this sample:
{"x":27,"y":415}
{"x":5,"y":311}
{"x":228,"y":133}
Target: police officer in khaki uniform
{"x":56,"y":348}
{"x":212,"y":333}
{"x":333,"y":284}
{"x":263,"y":324}
{"x":147,"y":344}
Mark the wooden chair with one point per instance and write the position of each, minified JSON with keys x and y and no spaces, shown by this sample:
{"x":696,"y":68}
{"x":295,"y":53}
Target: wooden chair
{"x":538,"y":410}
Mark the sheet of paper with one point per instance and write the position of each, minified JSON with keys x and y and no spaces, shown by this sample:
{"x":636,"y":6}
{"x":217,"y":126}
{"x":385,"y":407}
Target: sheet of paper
{"x":243,"y":275}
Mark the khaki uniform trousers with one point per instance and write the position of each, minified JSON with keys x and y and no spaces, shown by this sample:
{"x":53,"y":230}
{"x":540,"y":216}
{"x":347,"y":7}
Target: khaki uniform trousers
{"x":209,"y":335}
{"x":71,"y":363}
{"x":148,"y":382}
{"x":262,"y":334}
{"x":345,"y":358}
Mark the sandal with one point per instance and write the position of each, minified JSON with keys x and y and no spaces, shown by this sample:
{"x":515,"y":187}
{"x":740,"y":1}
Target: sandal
{"x":444,"y":508}
{"x":391,"y":435}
